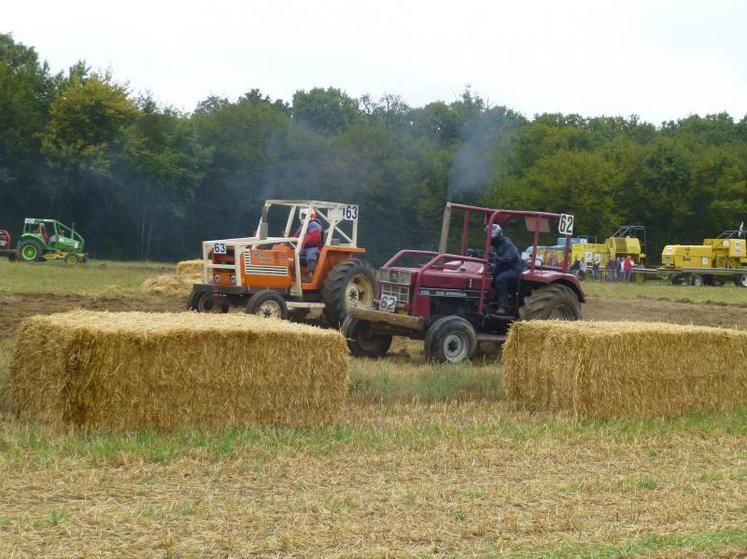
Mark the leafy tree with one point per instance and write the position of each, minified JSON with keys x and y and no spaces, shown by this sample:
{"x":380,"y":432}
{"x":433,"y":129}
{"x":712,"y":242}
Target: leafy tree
{"x":325,"y":110}
{"x":86,"y":122}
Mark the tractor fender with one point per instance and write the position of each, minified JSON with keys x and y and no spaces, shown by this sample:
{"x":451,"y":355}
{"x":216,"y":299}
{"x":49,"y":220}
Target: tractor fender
{"x":550,"y":276}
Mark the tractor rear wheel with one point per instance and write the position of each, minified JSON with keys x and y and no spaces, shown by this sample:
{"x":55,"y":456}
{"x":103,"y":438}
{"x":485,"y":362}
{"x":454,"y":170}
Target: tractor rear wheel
{"x":451,"y":339}
{"x":267,"y":304}
{"x":205,"y":302}
{"x":362,"y":342}
{"x":348,"y":285}
{"x":551,"y":302}
{"x":30,"y":250}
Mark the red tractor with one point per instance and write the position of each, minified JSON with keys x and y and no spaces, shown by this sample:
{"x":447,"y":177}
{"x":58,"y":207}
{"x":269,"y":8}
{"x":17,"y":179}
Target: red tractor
{"x":447,"y":300}
{"x":6,"y":247}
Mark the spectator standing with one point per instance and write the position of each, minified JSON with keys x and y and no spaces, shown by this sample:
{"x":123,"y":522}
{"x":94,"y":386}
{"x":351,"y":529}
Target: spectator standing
{"x":628,"y":267}
{"x":595,"y":269}
{"x":621,"y":269}
{"x":609,"y":269}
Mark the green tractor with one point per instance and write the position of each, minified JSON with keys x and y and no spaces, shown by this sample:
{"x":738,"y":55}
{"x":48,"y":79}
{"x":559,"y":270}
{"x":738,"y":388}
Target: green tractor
{"x":48,"y":239}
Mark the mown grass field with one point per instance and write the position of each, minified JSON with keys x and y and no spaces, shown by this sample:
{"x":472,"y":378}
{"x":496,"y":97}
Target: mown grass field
{"x":96,"y":278}
{"x":660,"y":290}
{"x":428,"y":462}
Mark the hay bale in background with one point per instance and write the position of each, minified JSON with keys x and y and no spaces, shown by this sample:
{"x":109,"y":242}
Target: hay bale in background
{"x":190,"y":268}
{"x":625,"y":369}
{"x":131,"y":371}
{"x":170,"y":284}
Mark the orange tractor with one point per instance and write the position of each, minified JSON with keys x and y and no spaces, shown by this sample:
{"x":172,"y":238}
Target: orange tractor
{"x":269,"y":276}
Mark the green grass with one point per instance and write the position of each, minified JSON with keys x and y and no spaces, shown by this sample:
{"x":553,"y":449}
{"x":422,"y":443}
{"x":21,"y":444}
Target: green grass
{"x":96,"y":278}
{"x":6,"y":351}
{"x":386,"y":382}
{"x":27,"y":444}
{"x":659,"y":290}
{"x":647,"y":546}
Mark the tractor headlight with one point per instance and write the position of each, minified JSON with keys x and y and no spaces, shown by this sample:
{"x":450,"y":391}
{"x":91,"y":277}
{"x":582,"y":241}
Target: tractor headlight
{"x":402,"y":278}
{"x":216,"y":278}
{"x":399,"y":277}
{"x":233,"y":279}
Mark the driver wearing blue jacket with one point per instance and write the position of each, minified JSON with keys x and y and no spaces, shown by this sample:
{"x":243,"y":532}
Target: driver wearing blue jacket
{"x":507,"y":266}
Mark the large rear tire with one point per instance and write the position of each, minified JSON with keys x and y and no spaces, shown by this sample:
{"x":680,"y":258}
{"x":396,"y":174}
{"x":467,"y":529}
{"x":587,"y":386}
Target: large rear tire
{"x":205,"y":302}
{"x":362,"y":342}
{"x":451,"y":339}
{"x":267,"y":304}
{"x":348,"y":285}
{"x":30,"y":250}
{"x":551,"y":302}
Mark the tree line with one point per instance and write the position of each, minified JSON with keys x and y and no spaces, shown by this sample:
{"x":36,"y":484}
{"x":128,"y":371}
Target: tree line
{"x":145,"y":181}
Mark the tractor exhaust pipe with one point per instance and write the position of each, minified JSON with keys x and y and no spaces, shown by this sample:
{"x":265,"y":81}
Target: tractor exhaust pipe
{"x":263,"y":227}
{"x":445,"y":229}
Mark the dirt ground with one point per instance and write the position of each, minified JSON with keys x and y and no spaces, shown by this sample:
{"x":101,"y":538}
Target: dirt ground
{"x":16,"y":307}
{"x":647,"y":310}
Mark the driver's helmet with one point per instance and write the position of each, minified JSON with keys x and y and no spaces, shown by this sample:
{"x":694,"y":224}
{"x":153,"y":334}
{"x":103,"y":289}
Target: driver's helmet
{"x":496,"y":231}
{"x":303,"y":212}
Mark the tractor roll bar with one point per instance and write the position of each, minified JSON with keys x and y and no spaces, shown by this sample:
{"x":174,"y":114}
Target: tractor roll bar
{"x":406,"y":251}
{"x":496,"y":216}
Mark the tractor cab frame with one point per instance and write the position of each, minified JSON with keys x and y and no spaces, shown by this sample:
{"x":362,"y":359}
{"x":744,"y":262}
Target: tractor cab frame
{"x":447,"y":299}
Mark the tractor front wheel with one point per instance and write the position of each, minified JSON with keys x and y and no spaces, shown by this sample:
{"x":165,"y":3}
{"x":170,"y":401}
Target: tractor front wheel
{"x":362,"y":342}
{"x":740,"y":280}
{"x":697,"y":280}
{"x":71,"y":259}
{"x":348,"y":285}
{"x":551,"y":302}
{"x":450,"y":339}
{"x":267,"y":304}
{"x":30,"y":250}
{"x":205,"y":302}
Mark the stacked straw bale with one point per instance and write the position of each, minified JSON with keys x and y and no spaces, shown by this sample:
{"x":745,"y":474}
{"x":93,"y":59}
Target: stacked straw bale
{"x":625,"y":369}
{"x":130,"y":371}
{"x":188,"y":272}
{"x":189,"y":268}
{"x":170,"y":284}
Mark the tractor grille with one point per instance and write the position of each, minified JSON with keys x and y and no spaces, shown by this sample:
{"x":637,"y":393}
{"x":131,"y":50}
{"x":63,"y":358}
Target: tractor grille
{"x":262,"y":269}
{"x":401,"y":292}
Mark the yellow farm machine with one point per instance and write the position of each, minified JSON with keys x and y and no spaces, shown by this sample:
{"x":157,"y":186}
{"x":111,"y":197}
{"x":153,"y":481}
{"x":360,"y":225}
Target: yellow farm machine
{"x":715,"y":262}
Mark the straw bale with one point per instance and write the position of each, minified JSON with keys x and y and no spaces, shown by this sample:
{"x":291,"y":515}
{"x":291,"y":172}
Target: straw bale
{"x":170,"y":284}
{"x":133,"y":370}
{"x":189,"y":268}
{"x":625,"y":369}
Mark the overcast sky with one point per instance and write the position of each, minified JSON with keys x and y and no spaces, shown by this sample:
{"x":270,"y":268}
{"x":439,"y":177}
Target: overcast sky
{"x":659,"y":59}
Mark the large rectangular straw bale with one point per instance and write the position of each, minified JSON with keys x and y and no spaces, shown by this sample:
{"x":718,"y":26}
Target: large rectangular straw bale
{"x":133,"y":370}
{"x":189,"y":268}
{"x":625,"y":369}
